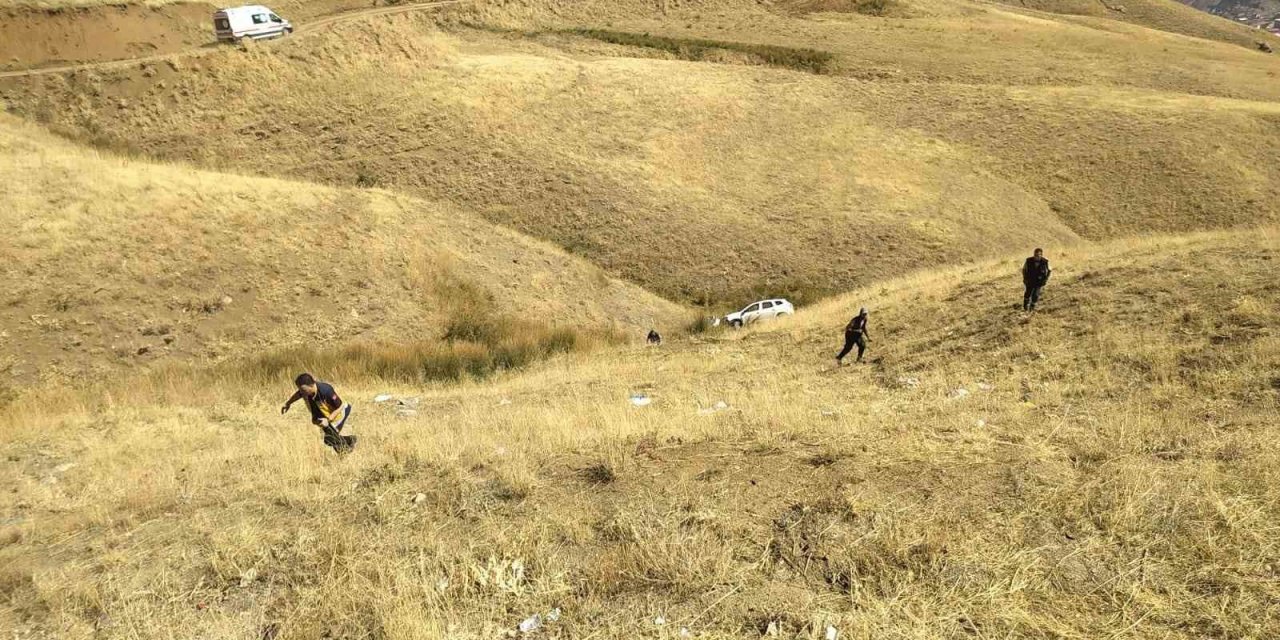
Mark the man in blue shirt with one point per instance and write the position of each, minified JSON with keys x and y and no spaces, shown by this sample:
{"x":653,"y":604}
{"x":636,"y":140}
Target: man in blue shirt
{"x":328,"y":411}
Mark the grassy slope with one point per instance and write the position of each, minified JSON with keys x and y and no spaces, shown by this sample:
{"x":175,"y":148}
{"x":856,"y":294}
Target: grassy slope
{"x":1109,"y":473}
{"x":104,"y":257}
{"x":1165,"y":15}
{"x":963,"y":132}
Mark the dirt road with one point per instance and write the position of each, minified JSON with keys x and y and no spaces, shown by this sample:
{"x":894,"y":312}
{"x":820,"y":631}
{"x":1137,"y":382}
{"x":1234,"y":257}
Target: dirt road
{"x":302,"y":30}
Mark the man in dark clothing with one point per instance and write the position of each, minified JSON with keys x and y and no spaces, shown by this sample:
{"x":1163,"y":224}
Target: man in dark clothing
{"x":855,"y":333}
{"x":1035,"y":274}
{"x":328,"y":411}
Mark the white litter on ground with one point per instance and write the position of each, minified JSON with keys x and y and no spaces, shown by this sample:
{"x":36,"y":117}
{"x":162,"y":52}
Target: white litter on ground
{"x":909,"y":382}
{"x":659,"y":621}
{"x":713,"y":409}
{"x":531,"y":624}
{"x":553,"y":615}
{"x":832,"y":633}
{"x":384,"y":397}
{"x":982,"y":386}
{"x":641,"y":400}
{"x":957,"y":394}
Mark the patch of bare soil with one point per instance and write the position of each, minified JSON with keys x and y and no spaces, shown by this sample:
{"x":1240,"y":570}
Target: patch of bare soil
{"x":32,"y":38}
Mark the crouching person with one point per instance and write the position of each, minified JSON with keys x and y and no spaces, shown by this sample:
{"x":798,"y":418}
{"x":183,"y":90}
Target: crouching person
{"x":328,"y":411}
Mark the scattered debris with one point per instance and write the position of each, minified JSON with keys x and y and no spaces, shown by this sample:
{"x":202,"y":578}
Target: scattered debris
{"x":958,"y":393}
{"x":442,"y":584}
{"x":983,"y":386}
{"x":247,"y":577}
{"x":909,"y":382}
{"x":981,"y":423}
{"x":659,"y":621}
{"x":384,"y":397}
{"x":832,"y":633}
{"x":406,"y":407}
{"x":65,"y":467}
{"x":419,"y":498}
{"x":685,"y":632}
{"x":553,"y":615}
{"x":713,"y":409}
{"x":641,"y":400}
{"x":772,"y":629}
{"x":504,"y":402}
{"x":531,"y":624}
{"x":830,"y":413}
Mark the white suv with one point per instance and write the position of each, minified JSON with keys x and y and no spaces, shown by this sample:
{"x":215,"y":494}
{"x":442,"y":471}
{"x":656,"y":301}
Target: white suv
{"x":759,"y":311}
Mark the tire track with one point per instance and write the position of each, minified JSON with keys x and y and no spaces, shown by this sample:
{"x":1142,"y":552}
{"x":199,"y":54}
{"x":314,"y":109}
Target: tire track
{"x":302,"y":30}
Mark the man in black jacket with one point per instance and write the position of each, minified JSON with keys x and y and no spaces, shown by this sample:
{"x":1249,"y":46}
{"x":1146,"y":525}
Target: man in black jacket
{"x":328,"y":411}
{"x":855,"y":333}
{"x":1035,"y":274}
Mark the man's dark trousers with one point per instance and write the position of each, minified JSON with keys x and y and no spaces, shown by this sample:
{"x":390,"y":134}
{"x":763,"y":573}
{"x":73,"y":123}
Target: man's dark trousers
{"x":852,"y":338}
{"x":1031,"y":297}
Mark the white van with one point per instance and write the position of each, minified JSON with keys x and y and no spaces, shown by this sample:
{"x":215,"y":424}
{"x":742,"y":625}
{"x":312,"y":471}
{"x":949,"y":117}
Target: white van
{"x":255,"y":21}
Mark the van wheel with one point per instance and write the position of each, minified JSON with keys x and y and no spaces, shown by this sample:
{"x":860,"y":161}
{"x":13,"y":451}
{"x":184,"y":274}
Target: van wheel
{"x":736,"y":324}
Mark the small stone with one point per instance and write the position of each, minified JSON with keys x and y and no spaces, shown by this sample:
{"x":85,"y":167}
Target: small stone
{"x":226,"y":300}
{"x":419,"y":498}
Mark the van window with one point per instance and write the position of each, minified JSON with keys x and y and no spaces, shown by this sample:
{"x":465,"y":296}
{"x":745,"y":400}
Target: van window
{"x":766,"y":305}
{"x":222,"y":24}
{"x":276,"y":18}
{"x":754,"y":307}
{"x":259,"y":18}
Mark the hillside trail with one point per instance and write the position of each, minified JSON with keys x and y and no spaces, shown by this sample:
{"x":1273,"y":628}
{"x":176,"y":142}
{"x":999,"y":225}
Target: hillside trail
{"x":302,"y":30}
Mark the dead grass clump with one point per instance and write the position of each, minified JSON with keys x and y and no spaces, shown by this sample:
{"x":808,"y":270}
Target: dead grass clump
{"x":600,"y":473}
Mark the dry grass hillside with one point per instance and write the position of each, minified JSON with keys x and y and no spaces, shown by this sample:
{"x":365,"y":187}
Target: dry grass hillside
{"x":1171,"y":16}
{"x":112,"y":263}
{"x":695,"y":161}
{"x":1102,"y":469}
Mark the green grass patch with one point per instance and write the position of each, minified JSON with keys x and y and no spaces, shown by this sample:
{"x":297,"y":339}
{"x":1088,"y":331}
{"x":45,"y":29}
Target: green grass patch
{"x":500,"y":345}
{"x":697,"y":49}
